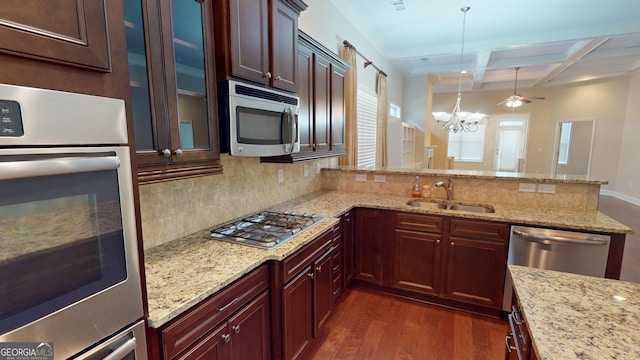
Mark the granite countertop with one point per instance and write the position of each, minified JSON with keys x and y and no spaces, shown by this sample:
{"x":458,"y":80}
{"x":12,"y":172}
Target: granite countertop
{"x":185,"y":271}
{"x":578,"y":317}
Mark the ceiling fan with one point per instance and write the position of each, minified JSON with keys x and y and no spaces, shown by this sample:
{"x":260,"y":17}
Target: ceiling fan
{"x":516,"y":99}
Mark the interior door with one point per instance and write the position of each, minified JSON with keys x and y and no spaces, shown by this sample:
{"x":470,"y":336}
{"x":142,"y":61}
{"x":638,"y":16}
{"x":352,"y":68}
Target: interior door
{"x":511,"y":141}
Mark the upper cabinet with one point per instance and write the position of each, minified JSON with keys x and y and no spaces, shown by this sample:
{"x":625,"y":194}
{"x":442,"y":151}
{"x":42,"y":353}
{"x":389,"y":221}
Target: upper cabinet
{"x":321,"y":86}
{"x":257,"y":40}
{"x":66,"y":45}
{"x":173,"y":88}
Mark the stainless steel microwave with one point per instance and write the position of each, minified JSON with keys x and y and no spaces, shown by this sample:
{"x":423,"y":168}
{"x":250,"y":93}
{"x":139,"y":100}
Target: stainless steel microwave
{"x":257,"y":121}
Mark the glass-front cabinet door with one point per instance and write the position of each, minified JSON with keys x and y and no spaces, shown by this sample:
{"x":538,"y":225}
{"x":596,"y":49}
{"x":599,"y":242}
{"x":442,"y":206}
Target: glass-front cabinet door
{"x":173,"y":87}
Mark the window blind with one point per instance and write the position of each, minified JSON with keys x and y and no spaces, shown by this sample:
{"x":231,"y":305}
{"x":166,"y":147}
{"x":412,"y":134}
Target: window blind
{"x":367,"y":109}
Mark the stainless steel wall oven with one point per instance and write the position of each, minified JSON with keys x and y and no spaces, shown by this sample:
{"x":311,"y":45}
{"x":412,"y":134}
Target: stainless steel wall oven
{"x":69,"y":269}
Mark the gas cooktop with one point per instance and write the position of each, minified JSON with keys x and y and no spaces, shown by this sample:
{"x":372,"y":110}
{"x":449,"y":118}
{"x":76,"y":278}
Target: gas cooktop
{"x":266,"y":229}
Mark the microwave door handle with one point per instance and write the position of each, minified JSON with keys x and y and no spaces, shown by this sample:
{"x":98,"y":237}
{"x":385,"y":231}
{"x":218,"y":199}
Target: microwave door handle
{"x":35,"y":168}
{"x":287,"y":114}
{"x":294,"y":128}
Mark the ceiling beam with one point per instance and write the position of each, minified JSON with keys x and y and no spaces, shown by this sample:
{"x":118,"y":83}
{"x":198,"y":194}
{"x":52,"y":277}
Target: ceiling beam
{"x":577,"y":55}
{"x":482,"y":60}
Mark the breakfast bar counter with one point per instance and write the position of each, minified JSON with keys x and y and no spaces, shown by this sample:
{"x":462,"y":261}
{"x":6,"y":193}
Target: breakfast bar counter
{"x":578,"y":317}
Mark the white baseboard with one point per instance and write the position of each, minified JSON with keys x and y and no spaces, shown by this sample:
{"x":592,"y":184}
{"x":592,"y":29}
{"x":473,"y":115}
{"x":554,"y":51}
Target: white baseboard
{"x":627,"y":198}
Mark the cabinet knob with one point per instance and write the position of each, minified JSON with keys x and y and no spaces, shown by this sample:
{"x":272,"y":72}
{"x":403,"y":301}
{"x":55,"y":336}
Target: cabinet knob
{"x":236,"y":329}
{"x":267,"y":75}
{"x":310,"y":275}
{"x":319,"y":268}
{"x":278,"y":78}
{"x":166,"y":152}
{"x":178,"y":152}
{"x":226,"y":337}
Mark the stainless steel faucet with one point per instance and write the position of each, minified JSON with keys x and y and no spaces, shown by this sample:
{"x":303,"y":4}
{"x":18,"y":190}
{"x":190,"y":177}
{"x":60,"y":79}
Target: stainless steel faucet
{"x":448,"y":188}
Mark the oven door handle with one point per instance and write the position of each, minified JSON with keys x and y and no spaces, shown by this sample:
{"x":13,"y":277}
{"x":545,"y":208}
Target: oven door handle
{"x":35,"y":168}
{"x":122,"y":351}
{"x":546,"y":239}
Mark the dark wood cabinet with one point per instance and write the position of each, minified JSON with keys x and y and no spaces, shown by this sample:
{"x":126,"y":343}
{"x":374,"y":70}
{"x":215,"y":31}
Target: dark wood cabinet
{"x":320,"y":86}
{"x":307,"y":293}
{"x":416,"y":261}
{"x":73,"y":46}
{"x":60,"y":31}
{"x":476,"y":262}
{"x":173,"y":88}
{"x":233,"y":324}
{"x":348,"y":249}
{"x":258,"y":40}
{"x":370,"y":230}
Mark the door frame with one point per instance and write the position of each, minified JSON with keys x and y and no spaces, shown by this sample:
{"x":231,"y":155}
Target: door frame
{"x":556,"y":144}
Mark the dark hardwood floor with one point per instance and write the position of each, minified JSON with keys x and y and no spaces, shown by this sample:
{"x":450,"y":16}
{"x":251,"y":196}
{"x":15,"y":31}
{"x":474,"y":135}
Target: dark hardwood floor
{"x":370,"y":325}
{"x":628,"y":214}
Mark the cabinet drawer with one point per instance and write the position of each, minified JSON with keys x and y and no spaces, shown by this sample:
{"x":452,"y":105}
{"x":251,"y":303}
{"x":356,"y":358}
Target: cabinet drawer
{"x":293,"y":264}
{"x":189,"y":327}
{"x":419,"y":222}
{"x":479,"y":229}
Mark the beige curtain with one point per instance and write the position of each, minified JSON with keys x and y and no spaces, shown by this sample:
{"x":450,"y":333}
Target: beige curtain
{"x":381,"y":128}
{"x":350,"y":109}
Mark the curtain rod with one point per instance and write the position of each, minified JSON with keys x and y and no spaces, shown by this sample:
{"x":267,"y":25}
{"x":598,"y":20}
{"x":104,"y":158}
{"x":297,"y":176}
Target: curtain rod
{"x":367,"y":62}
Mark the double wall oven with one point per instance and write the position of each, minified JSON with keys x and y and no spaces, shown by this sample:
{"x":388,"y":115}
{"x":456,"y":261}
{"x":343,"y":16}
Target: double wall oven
{"x":69,"y":268}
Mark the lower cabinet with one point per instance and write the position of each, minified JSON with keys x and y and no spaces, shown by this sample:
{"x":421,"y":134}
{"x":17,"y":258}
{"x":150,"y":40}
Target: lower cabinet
{"x":456,"y":262}
{"x":308,"y":293}
{"x":231,"y":324}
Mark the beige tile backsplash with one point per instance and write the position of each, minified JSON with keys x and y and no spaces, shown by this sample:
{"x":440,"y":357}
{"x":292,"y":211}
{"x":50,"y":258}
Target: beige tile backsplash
{"x":173,"y":209}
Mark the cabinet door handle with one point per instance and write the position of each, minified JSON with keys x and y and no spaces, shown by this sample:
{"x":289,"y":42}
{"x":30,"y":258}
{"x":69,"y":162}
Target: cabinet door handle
{"x":310,"y":275}
{"x":235,"y":300}
{"x":178,"y":152}
{"x":509,"y":346}
{"x":236,"y":329}
{"x":335,"y":268}
{"x":166,"y":152}
{"x":336,"y":291}
{"x":226,"y":337}
{"x":267,"y":75}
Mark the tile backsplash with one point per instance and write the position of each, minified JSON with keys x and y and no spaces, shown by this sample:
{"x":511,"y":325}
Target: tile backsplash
{"x":173,"y":209}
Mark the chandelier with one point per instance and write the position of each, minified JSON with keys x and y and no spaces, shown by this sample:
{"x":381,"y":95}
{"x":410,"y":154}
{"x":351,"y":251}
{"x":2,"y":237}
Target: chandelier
{"x":458,"y":120}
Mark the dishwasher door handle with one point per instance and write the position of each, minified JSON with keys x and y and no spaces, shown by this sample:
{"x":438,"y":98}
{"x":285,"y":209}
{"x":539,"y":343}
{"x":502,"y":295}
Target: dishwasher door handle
{"x":546,"y":239}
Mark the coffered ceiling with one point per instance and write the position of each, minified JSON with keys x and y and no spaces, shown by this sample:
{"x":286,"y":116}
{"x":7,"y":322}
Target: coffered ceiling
{"x":553,"y":42}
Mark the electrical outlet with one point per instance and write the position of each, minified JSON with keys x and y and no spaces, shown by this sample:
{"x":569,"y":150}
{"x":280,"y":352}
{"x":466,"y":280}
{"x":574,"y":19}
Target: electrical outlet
{"x":547,"y":188}
{"x":361,"y":177}
{"x":527,"y":187}
{"x":379,"y":178}
{"x":306,"y":170}
{"x":317,"y":168}
{"x":280,"y":176}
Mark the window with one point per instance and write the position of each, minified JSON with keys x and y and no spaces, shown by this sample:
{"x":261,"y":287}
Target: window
{"x":394,"y":110}
{"x":367,"y":110}
{"x":565,"y":140}
{"x":467,"y":146}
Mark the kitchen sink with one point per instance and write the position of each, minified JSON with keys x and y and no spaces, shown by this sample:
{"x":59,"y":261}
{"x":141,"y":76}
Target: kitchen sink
{"x":434,"y":204}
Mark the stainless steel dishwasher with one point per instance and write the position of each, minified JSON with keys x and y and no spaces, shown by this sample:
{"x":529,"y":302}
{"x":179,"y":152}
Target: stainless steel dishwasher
{"x":567,"y":251}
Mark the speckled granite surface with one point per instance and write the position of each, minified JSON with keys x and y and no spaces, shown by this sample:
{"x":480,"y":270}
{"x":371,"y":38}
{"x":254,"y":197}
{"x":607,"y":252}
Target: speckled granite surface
{"x":579,"y":317}
{"x":183,"y":272}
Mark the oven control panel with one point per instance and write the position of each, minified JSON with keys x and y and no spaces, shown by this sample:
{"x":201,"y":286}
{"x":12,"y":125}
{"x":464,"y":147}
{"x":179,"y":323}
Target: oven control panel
{"x":10,"y":119}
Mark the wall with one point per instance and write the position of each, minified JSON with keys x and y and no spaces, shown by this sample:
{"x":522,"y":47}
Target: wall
{"x":628,"y":175}
{"x":610,"y":102}
{"x":173,"y":209}
{"x":327,"y":25}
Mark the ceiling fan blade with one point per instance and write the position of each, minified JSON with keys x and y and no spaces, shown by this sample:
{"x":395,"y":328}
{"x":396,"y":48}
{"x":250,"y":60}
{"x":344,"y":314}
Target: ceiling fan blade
{"x":502,"y":102}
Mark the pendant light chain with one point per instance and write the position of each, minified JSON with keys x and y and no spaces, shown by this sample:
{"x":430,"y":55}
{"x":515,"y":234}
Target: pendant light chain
{"x":464,"y":23}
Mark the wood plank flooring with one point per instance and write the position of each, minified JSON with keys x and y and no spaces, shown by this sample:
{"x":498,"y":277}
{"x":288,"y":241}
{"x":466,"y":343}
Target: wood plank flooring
{"x":370,"y":325}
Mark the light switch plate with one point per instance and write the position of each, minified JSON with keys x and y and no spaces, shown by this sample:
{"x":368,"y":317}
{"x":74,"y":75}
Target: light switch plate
{"x":527,"y":187}
{"x":361,"y":177}
{"x":379,"y":178}
{"x":317,"y":168}
{"x":280,"y":176}
{"x":547,"y":188}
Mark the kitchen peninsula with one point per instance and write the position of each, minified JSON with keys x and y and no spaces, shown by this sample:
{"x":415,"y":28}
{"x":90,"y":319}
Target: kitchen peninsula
{"x":184,"y":273}
{"x":572,"y":316}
